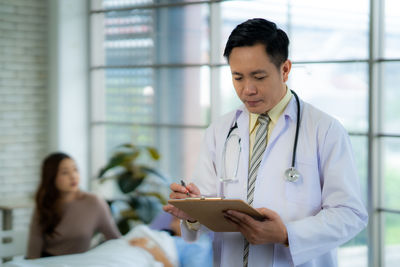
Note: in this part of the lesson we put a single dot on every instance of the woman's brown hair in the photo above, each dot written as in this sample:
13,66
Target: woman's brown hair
47,194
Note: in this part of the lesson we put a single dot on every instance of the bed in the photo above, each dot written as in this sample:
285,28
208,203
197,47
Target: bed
112,253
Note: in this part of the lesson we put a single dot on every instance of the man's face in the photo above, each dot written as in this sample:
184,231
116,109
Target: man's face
257,81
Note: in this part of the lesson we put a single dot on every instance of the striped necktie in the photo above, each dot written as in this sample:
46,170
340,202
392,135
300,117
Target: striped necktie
255,161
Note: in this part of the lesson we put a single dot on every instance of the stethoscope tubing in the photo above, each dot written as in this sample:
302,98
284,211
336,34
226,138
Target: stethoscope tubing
296,137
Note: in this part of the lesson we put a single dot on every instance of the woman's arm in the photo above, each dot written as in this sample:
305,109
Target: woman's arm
106,222
35,243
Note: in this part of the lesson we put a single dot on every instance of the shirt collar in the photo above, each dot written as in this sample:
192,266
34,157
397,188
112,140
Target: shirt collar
277,111
274,113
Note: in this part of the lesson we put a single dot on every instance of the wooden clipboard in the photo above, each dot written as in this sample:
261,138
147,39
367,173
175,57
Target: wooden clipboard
209,211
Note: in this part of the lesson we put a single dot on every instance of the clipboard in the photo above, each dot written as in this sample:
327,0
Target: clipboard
209,211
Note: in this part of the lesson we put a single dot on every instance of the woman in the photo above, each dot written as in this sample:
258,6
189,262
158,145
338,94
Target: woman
65,218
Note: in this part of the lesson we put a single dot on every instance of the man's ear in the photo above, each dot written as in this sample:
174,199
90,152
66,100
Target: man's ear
285,70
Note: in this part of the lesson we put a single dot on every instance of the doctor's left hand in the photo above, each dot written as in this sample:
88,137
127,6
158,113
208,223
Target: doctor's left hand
270,230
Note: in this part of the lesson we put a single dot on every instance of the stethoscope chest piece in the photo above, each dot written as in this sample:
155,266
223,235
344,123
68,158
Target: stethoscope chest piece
292,175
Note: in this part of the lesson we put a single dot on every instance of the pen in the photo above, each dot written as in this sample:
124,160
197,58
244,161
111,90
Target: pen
183,184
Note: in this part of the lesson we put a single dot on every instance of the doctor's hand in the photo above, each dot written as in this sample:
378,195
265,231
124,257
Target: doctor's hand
179,192
270,230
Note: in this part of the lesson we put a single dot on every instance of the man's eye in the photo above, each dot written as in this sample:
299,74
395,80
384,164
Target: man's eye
238,78
260,78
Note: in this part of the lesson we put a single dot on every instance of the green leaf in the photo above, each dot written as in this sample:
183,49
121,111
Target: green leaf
153,153
129,214
128,183
128,145
129,159
116,160
123,226
133,202
147,207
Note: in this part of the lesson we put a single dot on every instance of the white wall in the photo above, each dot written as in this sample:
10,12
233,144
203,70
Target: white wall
23,98
43,92
68,81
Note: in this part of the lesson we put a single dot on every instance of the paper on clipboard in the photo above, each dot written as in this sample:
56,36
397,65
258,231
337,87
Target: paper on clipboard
209,211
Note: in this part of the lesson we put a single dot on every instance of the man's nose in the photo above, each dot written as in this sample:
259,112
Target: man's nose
250,88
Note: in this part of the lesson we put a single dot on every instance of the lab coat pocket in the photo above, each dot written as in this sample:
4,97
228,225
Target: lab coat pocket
306,191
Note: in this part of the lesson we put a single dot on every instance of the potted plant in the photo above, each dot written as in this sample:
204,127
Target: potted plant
143,195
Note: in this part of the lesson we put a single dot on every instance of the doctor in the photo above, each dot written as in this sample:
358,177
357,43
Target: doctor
308,215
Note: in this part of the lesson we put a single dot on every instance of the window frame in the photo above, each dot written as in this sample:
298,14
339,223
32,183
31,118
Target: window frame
374,133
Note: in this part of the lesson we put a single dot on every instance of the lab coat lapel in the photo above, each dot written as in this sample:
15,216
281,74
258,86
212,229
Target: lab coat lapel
289,114
232,252
243,125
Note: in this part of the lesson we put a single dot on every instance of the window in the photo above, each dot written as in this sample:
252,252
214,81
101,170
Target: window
159,78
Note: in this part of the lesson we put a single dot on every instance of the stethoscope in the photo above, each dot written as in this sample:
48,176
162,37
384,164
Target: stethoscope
232,147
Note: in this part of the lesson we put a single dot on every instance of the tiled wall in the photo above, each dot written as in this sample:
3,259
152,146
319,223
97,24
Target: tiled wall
23,98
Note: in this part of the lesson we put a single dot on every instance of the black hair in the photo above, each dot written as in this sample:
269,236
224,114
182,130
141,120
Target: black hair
48,194
260,31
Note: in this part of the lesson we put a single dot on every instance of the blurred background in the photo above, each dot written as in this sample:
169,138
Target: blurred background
86,76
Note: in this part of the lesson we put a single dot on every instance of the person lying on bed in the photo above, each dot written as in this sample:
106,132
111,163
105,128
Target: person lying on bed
189,254
65,218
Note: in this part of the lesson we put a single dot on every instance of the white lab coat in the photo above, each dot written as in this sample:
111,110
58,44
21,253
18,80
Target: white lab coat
321,211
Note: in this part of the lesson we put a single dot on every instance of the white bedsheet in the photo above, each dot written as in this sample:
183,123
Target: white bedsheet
113,253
